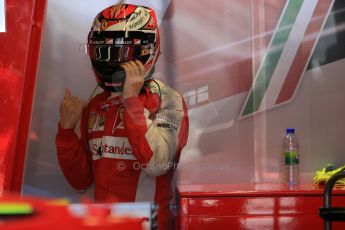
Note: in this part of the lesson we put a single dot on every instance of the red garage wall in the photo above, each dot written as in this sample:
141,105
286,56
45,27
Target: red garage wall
20,48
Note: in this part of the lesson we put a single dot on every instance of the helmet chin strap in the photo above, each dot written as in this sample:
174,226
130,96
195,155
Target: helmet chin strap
150,74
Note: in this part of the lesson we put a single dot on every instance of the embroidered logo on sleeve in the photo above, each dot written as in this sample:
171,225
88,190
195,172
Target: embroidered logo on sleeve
167,126
166,123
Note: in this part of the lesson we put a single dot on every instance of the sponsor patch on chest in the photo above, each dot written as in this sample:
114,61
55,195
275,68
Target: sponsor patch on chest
111,147
96,122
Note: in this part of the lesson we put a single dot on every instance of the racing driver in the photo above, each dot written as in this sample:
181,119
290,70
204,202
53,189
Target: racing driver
130,135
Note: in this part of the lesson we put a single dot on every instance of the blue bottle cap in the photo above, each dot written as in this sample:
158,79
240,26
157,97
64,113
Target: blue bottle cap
290,130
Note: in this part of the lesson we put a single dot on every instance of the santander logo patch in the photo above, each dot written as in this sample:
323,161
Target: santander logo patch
111,147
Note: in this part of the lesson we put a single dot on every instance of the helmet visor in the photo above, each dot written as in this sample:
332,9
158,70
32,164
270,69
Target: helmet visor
118,53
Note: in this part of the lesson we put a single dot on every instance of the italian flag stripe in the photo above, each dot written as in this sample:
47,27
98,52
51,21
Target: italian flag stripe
305,51
289,51
270,61
271,84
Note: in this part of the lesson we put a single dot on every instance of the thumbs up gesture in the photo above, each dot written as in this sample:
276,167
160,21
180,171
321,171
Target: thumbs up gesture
70,110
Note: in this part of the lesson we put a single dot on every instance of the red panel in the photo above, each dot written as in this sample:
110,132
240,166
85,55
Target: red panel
253,206
204,190
234,206
260,222
20,46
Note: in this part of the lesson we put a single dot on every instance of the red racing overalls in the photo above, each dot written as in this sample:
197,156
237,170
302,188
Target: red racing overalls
129,149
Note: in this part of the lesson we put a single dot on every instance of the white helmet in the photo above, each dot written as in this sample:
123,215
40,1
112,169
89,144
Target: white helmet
120,33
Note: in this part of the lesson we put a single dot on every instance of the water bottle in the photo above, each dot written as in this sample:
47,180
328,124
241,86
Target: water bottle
290,159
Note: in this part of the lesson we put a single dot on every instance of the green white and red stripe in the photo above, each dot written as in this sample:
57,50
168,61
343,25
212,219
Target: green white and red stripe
287,55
